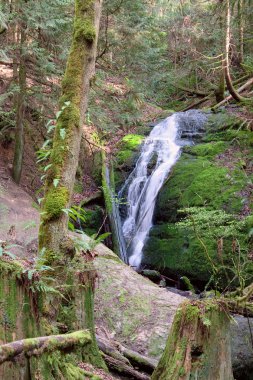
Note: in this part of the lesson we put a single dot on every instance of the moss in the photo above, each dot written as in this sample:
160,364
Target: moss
207,150
196,182
188,283
55,201
177,253
124,157
131,141
129,145
78,187
97,168
193,342
84,30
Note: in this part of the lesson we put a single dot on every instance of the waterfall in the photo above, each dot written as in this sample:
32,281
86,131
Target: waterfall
159,153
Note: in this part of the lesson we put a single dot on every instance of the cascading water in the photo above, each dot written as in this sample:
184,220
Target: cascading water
159,153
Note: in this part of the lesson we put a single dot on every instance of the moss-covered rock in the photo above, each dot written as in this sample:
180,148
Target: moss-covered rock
126,157
213,175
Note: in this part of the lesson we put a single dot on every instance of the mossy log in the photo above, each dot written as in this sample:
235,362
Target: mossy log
40,345
198,346
123,368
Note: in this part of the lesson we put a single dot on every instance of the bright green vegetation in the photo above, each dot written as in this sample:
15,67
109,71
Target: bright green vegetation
128,145
126,157
56,200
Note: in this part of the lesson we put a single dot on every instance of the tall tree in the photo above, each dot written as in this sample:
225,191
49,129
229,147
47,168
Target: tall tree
229,83
66,144
20,102
54,240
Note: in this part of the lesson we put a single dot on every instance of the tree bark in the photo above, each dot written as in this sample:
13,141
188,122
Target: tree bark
38,346
68,132
226,63
241,31
73,271
20,100
198,346
124,368
117,351
230,97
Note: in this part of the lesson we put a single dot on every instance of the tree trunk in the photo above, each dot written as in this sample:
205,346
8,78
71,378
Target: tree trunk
67,138
20,103
241,31
220,90
226,64
198,346
73,271
248,84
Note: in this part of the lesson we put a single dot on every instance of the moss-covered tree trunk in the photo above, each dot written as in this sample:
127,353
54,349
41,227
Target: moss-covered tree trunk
68,132
73,272
198,346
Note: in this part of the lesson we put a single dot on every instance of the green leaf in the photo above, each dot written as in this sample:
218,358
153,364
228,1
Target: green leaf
30,274
62,133
47,167
56,182
58,114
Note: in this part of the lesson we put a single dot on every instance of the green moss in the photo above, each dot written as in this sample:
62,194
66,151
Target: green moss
129,146
207,150
124,157
196,182
84,30
178,253
131,141
188,283
55,201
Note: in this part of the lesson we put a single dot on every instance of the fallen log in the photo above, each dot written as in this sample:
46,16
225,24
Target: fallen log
135,358
111,351
117,351
230,97
241,79
195,104
123,368
37,346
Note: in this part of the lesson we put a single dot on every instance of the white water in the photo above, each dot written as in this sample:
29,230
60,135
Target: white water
159,153
144,187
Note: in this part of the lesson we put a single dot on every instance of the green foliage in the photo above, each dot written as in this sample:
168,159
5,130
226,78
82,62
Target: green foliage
76,215
82,243
213,223
232,266
5,250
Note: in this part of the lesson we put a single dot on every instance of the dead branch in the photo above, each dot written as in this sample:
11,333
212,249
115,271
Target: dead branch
195,104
